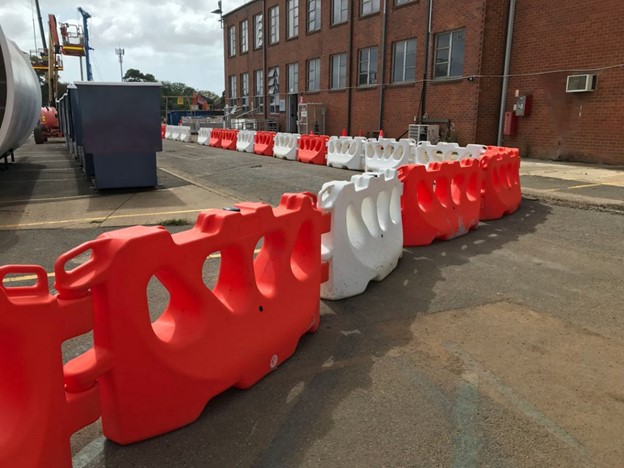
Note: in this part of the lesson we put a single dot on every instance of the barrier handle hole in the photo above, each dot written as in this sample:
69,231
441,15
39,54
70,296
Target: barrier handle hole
261,309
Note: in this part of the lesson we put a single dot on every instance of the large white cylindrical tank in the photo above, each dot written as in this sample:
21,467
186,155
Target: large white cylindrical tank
20,96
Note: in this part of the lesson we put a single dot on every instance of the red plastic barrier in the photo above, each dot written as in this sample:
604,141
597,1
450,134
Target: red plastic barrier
439,201
216,134
228,139
263,143
206,340
312,149
501,192
163,131
37,415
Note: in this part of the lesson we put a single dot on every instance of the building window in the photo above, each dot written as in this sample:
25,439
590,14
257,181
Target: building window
449,54
367,66
258,32
340,11
314,15
401,2
293,77
314,75
273,84
369,6
245,91
259,81
338,65
244,42
292,20
404,61
274,25
232,90
232,41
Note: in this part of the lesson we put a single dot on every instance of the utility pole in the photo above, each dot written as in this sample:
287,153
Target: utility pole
120,52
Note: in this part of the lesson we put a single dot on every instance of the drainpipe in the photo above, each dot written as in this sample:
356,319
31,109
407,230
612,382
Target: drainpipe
510,27
383,64
423,93
352,5
264,67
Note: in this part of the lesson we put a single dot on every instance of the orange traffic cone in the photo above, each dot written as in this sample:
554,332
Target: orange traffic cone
344,133
380,133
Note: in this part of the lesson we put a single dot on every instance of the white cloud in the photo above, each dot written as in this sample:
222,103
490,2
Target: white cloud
175,40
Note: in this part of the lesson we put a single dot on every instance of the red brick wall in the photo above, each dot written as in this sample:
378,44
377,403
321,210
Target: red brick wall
492,65
547,36
569,36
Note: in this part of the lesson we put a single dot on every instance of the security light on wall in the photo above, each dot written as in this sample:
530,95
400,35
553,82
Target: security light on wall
581,83
219,11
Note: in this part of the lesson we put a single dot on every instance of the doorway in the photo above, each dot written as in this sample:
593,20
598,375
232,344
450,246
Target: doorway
291,113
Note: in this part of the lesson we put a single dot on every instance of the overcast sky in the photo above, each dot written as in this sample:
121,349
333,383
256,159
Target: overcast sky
175,40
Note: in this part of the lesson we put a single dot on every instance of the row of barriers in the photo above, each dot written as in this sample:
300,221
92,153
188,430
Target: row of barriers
353,153
178,133
144,379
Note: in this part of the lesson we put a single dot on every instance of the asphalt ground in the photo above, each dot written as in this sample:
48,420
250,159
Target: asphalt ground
504,347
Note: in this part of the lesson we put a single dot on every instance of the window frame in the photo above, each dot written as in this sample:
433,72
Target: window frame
289,76
342,66
232,89
292,19
315,73
405,42
244,36
368,50
232,41
449,61
274,25
244,81
273,97
317,4
373,7
258,21
259,90
344,4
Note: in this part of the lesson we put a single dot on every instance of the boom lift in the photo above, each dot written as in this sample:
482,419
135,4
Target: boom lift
74,42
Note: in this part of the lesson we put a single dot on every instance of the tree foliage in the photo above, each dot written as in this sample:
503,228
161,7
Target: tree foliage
134,75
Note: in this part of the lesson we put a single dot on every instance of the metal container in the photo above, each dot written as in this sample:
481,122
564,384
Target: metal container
120,126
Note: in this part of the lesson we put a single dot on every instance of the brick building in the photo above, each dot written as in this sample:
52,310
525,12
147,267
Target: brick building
384,64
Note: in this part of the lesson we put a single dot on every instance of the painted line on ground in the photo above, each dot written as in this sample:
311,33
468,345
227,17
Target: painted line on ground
89,453
465,451
101,219
606,184
521,404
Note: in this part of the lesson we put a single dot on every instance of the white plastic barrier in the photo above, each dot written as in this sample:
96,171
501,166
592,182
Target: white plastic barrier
425,152
285,145
245,141
346,152
185,134
366,237
175,132
169,132
203,135
472,151
388,154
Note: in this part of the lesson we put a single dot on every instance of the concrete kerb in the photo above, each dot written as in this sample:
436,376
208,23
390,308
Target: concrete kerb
574,201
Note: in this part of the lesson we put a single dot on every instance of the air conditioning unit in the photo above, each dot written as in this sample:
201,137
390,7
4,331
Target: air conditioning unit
430,133
581,83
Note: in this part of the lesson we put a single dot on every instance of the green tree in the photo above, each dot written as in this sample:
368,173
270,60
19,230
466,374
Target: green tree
134,75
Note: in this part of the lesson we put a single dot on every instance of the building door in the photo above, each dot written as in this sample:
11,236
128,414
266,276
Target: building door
291,113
